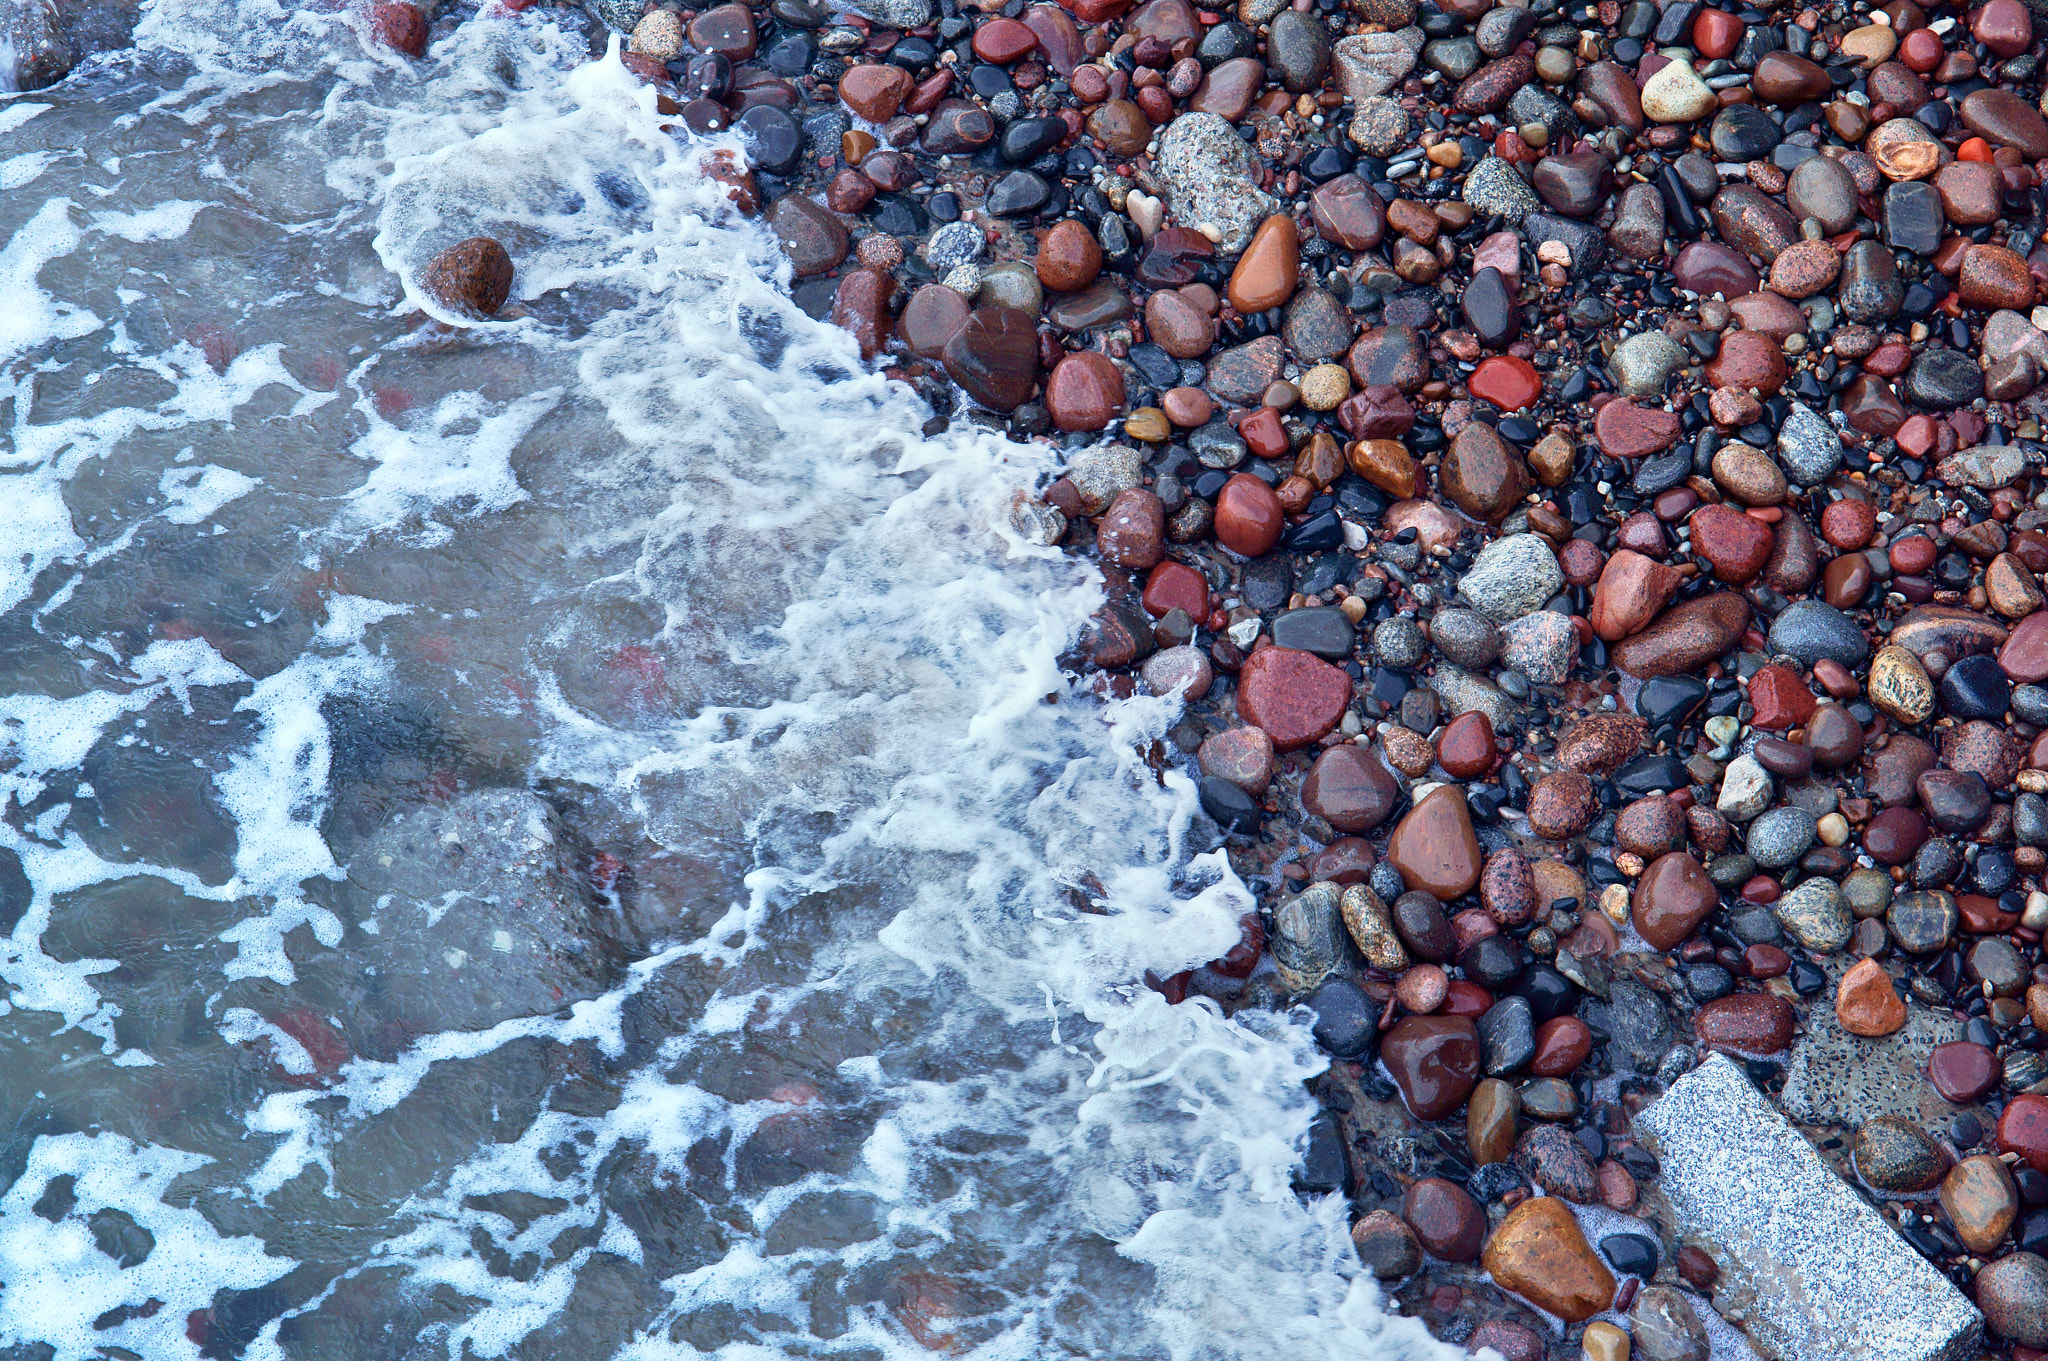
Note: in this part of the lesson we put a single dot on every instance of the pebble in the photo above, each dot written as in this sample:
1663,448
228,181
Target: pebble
1434,847
1894,1154
1539,1253
1448,1223
1511,577
1434,1060
1865,1003
1664,1327
2012,1294
472,278
1386,1246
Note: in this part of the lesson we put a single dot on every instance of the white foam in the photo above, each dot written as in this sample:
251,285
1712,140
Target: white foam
196,493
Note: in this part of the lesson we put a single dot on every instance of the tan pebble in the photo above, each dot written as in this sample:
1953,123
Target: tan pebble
1147,423
1409,753
1605,1342
1899,685
1614,900
1324,387
1834,830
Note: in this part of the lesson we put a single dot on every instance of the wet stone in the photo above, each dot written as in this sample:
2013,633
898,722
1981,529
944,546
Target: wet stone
1555,1161
1922,921
1434,1060
1944,380
1912,217
1893,1153
1507,1035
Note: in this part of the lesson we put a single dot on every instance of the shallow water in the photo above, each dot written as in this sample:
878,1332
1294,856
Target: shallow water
565,837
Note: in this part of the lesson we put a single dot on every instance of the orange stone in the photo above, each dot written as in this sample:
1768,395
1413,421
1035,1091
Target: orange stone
1386,463
1865,1003
1509,383
1975,149
1270,267
874,91
1434,847
1539,1253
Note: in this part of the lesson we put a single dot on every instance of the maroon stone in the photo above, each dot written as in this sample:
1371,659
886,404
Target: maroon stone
995,357
1434,1061
1962,1072
2023,1129
1746,1023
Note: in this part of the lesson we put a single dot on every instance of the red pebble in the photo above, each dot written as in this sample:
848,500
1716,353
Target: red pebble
1506,381
2023,1129
1781,699
400,27
1176,586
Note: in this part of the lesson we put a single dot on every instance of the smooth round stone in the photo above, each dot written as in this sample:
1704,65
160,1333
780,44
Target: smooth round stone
1663,1325
2003,26
1420,922
994,356
1434,846
1835,737
1748,359
1269,269
1747,1023
1386,1246
1780,836
1962,1072
1467,749
1562,1044
1508,382
1785,79
1490,1121
1575,184
2012,1294
1085,392
1894,835
1539,1253
1447,1221
1069,257
1347,1021
1708,268
1248,516
1434,1060
1820,188
1981,1201
1894,1154
1814,913
1743,132
1975,688
1350,788
1671,900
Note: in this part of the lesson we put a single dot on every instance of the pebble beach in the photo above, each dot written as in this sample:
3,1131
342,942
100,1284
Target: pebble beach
1581,469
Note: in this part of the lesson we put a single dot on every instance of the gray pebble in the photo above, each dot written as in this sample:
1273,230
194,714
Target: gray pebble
1779,837
1466,637
1398,642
